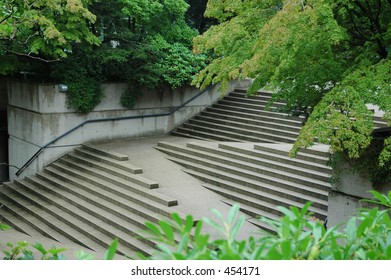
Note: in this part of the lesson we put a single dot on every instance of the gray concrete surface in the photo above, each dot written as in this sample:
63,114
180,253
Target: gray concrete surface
192,197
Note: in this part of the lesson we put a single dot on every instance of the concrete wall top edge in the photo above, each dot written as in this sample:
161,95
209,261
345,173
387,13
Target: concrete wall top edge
46,98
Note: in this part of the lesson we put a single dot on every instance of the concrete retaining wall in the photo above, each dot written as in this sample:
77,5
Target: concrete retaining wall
347,194
3,131
37,114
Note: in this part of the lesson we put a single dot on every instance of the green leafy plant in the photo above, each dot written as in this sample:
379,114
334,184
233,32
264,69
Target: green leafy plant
297,236
83,94
22,251
4,227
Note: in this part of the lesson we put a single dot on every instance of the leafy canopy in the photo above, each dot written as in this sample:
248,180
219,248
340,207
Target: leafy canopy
144,42
326,58
42,29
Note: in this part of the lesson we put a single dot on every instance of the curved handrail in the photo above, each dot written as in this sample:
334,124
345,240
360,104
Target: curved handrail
41,148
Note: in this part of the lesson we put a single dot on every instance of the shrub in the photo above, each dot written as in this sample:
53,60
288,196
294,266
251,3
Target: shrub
297,236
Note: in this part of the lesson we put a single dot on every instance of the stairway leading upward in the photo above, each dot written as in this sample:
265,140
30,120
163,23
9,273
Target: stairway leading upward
239,118
93,195
88,197
245,157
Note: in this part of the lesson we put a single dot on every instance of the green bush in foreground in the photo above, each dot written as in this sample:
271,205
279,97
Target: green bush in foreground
299,236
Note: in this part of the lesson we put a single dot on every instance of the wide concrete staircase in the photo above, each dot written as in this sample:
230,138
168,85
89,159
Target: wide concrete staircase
252,167
239,118
89,197
259,177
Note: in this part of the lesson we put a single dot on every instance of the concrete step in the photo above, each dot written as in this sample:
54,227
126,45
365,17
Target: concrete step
230,106
254,163
104,212
255,97
231,181
262,174
84,200
315,164
253,115
242,161
123,177
112,183
258,93
51,224
110,154
247,106
308,154
20,220
259,123
278,152
256,214
138,204
210,135
251,127
263,191
84,223
123,165
238,133
180,134
262,205
88,165
253,101
274,196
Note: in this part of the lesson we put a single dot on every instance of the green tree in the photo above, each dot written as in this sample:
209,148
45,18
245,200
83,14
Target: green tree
146,43
42,30
326,58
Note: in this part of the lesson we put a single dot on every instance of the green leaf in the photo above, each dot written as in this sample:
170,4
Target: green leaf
40,248
351,230
233,213
189,223
167,229
4,227
177,218
110,253
81,255
153,229
238,225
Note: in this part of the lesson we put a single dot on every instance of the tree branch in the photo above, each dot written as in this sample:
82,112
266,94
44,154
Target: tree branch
32,57
4,19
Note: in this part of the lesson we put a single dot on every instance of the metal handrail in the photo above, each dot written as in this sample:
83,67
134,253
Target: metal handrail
41,148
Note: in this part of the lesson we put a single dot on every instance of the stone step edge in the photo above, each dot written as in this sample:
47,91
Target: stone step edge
29,209
211,114
255,161
252,127
244,115
123,165
243,162
144,207
263,203
271,173
229,179
82,221
75,203
239,130
279,159
135,188
111,154
134,178
323,162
